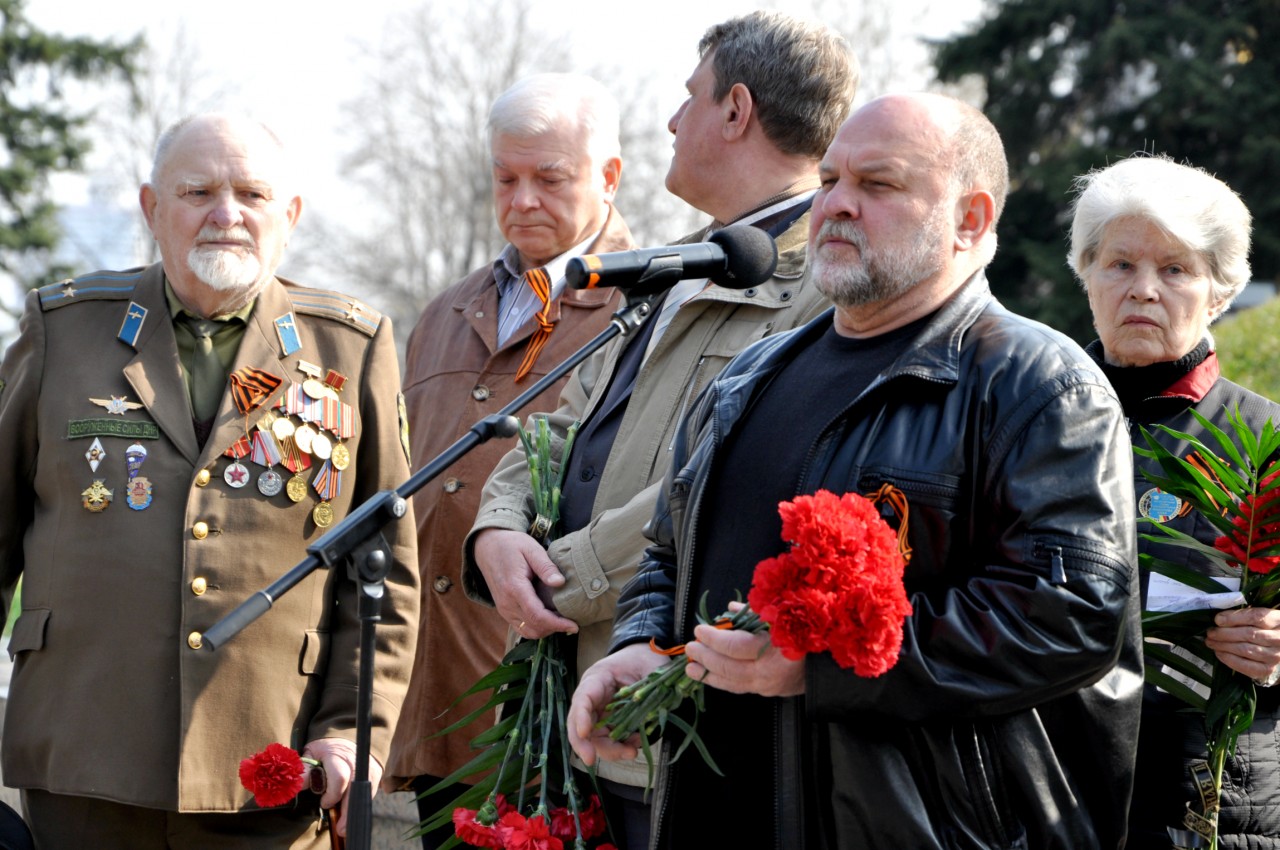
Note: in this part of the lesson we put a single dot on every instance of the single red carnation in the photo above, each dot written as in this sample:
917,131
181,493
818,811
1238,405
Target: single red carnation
867,631
562,825
800,622
593,820
274,776
520,833
472,832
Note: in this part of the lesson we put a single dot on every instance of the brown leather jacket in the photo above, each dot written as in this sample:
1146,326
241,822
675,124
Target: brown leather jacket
455,375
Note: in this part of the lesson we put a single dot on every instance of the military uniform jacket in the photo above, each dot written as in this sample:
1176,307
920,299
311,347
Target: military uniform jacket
109,699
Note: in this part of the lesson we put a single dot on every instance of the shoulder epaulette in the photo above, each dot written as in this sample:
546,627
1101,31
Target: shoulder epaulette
334,305
95,286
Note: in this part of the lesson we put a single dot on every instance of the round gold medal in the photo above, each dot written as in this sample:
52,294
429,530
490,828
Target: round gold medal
296,489
340,457
322,513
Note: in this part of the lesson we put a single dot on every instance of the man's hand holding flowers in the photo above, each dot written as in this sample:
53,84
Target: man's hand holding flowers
741,662
1248,641
521,578
596,688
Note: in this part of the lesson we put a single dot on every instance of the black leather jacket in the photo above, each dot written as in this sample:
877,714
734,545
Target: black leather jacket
1011,716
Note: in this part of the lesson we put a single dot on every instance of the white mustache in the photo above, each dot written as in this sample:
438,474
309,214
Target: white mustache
239,235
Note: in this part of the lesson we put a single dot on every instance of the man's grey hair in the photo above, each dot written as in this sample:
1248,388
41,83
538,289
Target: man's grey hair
1187,203
979,162
802,76
164,145
542,102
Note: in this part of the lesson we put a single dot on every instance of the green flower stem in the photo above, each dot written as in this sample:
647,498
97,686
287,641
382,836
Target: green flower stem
532,738
639,708
544,717
1219,760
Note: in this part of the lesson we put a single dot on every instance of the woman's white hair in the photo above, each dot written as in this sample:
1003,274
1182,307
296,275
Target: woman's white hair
542,102
1187,203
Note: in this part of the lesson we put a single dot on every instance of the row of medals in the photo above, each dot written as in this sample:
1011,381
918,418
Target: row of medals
276,436
309,440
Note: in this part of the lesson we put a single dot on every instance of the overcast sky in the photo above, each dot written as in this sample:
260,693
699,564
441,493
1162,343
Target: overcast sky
292,61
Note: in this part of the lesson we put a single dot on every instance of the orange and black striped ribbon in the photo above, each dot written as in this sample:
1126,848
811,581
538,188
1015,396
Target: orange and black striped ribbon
250,387
1198,462
540,283
898,501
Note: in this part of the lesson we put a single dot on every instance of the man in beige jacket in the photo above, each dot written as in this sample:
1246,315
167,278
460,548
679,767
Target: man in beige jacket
172,438
764,102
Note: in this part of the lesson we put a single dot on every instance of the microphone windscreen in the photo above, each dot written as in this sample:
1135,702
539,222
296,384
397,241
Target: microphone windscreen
750,256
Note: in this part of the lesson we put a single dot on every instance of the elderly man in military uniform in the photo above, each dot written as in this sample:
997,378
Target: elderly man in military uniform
172,438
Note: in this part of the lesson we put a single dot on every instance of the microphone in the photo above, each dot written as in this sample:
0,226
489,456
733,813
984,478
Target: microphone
737,257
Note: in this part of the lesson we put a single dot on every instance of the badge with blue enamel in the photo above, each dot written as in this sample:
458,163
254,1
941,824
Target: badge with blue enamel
1156,504
139,487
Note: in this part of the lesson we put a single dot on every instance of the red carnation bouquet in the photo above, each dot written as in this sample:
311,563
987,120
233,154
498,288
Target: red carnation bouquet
837,589
528,797
1236,488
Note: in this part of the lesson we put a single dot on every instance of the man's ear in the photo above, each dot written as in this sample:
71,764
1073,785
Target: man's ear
976,212
147,200
293,211
737,107
612,170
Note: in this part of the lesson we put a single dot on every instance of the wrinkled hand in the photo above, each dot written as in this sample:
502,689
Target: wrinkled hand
1247,640
742,663
338,757
517,568
596,687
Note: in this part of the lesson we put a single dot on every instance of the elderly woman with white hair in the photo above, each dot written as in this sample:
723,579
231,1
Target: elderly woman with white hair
1162,250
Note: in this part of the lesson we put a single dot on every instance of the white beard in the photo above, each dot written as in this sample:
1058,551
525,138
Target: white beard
225,269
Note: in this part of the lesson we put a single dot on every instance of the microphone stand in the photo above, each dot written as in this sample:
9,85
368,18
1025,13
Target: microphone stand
359,542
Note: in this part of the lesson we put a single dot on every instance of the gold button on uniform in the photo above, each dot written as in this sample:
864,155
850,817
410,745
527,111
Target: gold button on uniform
199,586
442,584
451,485
202,477
200,530
195,640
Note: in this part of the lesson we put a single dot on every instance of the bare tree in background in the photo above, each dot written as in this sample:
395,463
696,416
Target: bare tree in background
171,82
419,151
655,216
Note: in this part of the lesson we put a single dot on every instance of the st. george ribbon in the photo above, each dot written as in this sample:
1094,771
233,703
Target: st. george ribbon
737,257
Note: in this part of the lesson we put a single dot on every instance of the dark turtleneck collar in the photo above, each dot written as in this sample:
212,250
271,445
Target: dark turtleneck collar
1188,377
